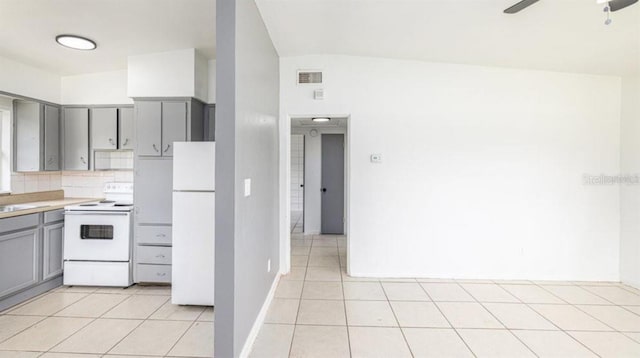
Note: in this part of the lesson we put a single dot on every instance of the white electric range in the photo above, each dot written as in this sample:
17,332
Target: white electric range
98,240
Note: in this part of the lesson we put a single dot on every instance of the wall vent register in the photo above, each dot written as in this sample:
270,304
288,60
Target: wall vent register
309,77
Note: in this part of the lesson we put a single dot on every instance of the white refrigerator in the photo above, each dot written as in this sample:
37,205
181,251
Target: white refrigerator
193,223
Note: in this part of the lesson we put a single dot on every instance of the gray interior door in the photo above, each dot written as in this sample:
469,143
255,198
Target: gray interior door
332,184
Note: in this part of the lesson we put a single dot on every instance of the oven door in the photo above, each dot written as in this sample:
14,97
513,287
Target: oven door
97,236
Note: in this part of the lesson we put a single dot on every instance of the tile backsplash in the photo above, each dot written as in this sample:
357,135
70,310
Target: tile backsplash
87,184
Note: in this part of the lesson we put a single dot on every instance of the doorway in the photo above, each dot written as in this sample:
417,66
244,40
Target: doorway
332,202
317,176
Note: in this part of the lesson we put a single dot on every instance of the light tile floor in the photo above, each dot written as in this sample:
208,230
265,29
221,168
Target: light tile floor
297,222
319,311
77,322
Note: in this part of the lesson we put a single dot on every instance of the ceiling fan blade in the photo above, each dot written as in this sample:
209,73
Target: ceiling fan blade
616,5
523,5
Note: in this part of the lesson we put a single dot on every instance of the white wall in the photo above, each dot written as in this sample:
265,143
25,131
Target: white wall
630,194
179,73
482,167
96,88
18,78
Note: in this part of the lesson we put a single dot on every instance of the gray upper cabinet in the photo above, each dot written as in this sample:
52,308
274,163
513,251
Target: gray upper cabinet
104,128
28,136
51,137
174,125
76,139
37,137
126,128
148,128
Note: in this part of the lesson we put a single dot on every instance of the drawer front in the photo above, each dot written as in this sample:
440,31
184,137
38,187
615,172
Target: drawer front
153,235
154,273
19,222
154,255
53,216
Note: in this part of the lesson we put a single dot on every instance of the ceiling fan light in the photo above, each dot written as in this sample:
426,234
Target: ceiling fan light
76,42
321,119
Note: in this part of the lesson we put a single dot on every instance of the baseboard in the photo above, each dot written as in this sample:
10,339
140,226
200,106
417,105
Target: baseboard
253,334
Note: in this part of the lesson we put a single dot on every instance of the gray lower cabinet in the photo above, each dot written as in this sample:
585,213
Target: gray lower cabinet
53,238
76,139
31,248
18,261
36,136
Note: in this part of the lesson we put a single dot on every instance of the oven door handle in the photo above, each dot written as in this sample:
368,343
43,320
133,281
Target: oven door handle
94,213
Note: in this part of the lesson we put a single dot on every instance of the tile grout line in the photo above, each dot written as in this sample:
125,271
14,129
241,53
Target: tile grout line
448,321
133,330
560,328
397,320
344,304
304,279
497,319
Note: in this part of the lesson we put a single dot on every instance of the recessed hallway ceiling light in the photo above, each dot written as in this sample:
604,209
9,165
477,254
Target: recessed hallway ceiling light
76,42
321,119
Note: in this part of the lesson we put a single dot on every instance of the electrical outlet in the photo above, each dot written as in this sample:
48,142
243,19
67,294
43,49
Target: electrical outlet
269,265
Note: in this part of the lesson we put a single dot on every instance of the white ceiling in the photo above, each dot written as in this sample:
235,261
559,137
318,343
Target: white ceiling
556,35
120,27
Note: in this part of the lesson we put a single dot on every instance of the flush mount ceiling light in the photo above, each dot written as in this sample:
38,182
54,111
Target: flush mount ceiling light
76,42
321,119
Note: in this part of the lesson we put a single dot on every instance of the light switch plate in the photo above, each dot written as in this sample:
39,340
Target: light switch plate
247,187
376,158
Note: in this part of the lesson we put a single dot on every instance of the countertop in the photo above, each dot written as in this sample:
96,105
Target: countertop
47,201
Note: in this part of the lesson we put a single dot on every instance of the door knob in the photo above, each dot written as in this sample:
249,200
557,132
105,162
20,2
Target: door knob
302,185
324,190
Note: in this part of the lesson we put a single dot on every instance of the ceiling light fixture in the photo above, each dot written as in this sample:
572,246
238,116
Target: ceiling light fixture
321,119
76,42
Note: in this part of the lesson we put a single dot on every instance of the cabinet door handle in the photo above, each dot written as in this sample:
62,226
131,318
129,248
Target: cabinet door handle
111,141
82,160
126,141
168,146
50,160
161,256
161,274
155,148
161,235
